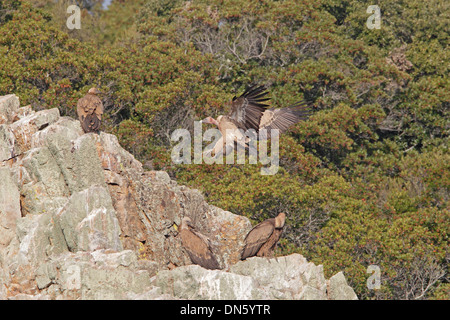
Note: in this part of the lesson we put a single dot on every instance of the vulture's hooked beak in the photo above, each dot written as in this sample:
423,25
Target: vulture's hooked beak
209,120
95,91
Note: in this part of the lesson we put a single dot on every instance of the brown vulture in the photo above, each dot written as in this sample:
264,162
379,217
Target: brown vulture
197,245
249,111
262,239
90,110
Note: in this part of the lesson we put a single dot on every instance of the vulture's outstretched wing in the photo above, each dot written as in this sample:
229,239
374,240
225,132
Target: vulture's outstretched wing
247,109
257,237
282,118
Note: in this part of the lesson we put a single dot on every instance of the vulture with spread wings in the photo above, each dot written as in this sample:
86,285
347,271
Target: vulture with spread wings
90,110
197,245
250,112
263,238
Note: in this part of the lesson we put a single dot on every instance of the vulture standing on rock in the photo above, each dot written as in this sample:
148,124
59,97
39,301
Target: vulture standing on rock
249,111
90,110
262,239
197,245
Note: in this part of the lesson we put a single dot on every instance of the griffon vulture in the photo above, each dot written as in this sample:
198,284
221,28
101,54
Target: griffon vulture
262,239
90,110
249,111
197,245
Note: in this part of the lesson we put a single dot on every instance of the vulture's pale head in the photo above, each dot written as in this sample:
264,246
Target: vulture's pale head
94,91
185,223
210,120
279,220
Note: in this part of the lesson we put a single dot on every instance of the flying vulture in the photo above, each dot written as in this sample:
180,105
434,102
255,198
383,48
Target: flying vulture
90,110
262,239
197,245
249,111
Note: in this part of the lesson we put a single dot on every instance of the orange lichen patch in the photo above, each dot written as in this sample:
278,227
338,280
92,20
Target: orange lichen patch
22,133
21,283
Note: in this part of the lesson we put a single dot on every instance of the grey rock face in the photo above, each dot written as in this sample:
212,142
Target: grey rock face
81,219
6,143
195,282
88,221
339,289
289,277
9,207
9,105
96,275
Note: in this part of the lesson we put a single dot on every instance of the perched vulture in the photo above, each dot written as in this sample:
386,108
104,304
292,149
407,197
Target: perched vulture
262,239
249,111
90,110
197,245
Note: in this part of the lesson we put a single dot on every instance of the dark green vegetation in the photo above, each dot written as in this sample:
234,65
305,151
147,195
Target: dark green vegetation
365,181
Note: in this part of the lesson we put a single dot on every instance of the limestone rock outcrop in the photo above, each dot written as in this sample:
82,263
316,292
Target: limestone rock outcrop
81,219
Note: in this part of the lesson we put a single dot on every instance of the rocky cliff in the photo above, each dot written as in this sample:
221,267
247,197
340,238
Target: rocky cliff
81,219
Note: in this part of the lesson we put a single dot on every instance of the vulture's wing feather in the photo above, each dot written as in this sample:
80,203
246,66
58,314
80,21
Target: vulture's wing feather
91,123
99,109
89,104
217,150
90,110
257,237
199,249
247,109
283,118
269,246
